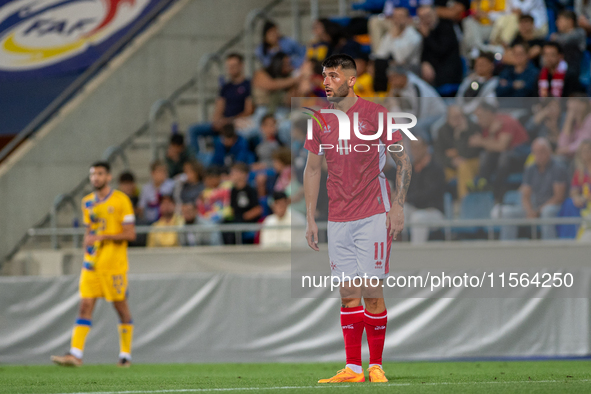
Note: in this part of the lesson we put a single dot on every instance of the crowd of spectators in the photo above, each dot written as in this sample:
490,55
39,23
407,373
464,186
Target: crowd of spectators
499,88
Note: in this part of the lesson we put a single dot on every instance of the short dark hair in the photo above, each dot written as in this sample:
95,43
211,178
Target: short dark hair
554,45
214,171
345,61
155,164
177,139
240,166
569,15
521,43
228,131
279,196
103,164
283,154
526,17
235,55
167,197
487,107
487,55
268,116
126,177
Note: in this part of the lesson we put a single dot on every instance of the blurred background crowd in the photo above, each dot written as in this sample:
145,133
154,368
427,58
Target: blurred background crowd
500,88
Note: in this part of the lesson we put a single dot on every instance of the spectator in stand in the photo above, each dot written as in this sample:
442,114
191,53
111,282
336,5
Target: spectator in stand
273,42
583,12
571,38
177,154
480,85
191,238
505,147
282,216
233,103
440,59
269,143
577,125
479,25
580,190
272,86
168,217
402,43
213,205
527,34
365,81
230,148
506,27
379,25
149,201
412,94
542,192
452,151
424,199
546,122
453,11
189,184
244,202
127,185
319,47
282,167
521,78
556,80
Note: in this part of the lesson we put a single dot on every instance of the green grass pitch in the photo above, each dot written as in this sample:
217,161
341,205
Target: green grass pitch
405,377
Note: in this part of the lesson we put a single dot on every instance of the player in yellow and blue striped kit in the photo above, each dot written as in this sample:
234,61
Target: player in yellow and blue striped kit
110,224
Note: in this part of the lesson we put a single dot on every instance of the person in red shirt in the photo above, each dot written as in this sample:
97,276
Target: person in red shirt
362,216
505,143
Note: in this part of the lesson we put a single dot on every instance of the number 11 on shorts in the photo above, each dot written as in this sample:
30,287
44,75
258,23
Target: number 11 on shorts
380,246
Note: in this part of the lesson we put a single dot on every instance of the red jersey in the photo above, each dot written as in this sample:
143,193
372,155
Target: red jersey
357,187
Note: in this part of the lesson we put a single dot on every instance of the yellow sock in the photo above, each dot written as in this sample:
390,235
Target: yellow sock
125,339
81,330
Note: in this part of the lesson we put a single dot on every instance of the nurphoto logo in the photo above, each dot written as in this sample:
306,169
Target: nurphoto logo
345,130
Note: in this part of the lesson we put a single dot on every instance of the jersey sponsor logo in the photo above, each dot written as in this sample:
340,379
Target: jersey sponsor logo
36,34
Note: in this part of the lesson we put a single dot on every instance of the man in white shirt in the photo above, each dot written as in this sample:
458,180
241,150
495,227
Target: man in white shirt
403,42
282,216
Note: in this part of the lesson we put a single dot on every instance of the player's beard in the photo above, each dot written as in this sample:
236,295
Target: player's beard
339,94
100,187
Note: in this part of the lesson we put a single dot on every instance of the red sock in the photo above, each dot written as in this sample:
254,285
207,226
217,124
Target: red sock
375,329
352,325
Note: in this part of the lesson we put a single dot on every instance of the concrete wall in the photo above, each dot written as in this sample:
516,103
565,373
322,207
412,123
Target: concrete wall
110,108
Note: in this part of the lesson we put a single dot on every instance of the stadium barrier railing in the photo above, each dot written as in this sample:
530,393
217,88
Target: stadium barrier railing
446,225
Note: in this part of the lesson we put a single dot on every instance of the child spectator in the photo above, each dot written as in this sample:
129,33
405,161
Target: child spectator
190,238
282,216
244,201
230,148
168,217
573,39
149,200
177,155
213,206
480,85
264,149
189,184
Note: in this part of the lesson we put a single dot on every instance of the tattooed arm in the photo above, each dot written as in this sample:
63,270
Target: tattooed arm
395,218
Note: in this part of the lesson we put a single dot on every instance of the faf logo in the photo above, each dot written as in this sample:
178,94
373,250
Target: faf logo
39,33
358,127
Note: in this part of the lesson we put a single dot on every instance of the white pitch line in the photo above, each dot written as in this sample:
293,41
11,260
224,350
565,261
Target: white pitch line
323,386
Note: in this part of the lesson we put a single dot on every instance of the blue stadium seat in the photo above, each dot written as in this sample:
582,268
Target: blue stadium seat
476,205
585,75
448,206
551,21
516,178
512,197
